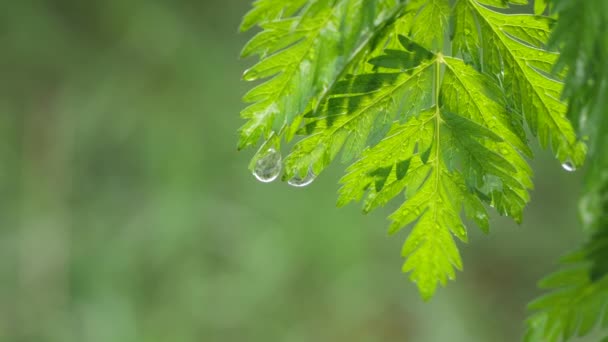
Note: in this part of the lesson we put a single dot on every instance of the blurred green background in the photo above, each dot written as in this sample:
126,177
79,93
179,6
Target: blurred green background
126,213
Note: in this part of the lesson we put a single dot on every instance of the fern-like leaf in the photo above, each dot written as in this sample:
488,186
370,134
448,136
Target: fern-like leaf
302,55
514,51
579,299
444,159
270,10
369,80
361,105
475,96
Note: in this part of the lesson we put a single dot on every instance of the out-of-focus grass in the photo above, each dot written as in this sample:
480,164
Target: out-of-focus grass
127,215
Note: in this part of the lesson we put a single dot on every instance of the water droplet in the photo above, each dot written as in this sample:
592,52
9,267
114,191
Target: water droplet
268,166
301,182
504,150
467,31
568,166
250,75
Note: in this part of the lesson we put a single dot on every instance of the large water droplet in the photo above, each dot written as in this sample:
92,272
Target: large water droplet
268,166
568,166
300,182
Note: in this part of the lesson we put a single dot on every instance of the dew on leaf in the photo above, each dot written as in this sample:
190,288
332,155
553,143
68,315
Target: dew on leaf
569,166
250,75
300,182
268,166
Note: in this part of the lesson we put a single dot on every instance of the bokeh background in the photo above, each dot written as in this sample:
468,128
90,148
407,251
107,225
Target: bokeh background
126,213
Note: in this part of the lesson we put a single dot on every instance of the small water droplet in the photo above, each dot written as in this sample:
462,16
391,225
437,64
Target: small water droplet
569,166
250,75
268,167
301,182
467,31
504,150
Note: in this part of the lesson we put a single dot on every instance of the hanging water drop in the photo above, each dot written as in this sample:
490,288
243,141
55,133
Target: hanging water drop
268,166
569,166
301,182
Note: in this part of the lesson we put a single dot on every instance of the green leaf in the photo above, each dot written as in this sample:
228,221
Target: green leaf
268,10
429,23
580,291
300,56
475,96
584,52
578,297
358,106
403,142
514,52
540,6
436,194
446,133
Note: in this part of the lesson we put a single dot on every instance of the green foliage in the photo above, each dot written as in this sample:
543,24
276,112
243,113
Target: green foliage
442,161
303,54
578,298
581,294
514,51
372,80
585,51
